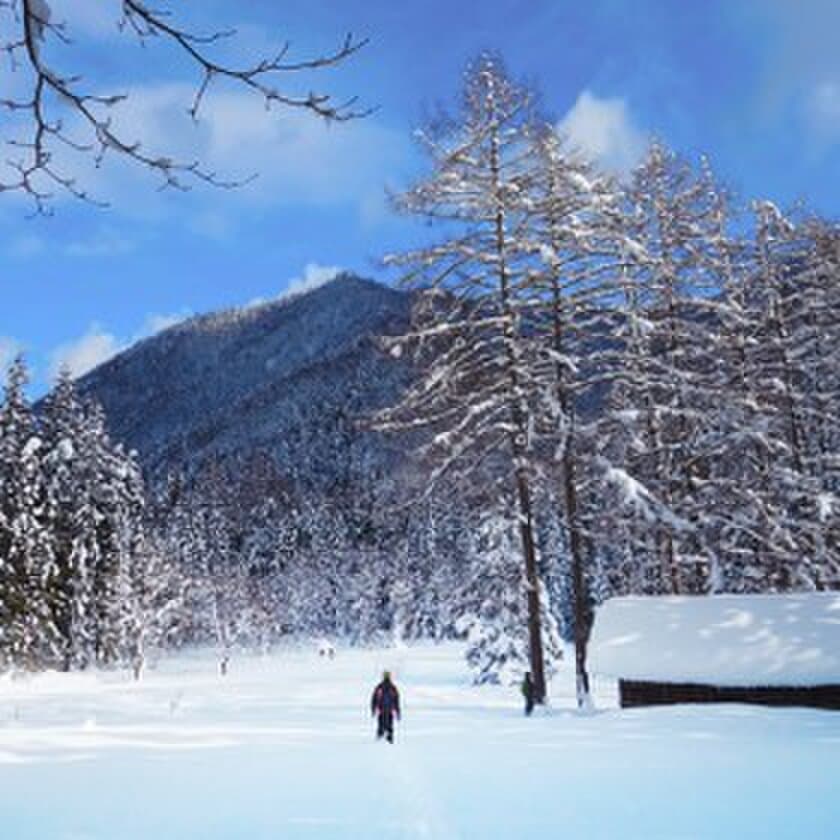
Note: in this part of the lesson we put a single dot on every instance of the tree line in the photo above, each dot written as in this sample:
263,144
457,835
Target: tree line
644,359
82,580
99,569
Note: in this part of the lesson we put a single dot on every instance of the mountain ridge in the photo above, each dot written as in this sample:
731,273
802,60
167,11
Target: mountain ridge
245,379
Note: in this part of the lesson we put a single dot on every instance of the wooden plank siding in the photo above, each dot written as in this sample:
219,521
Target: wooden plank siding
643,693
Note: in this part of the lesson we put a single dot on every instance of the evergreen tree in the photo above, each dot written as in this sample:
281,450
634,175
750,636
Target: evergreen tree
28,634
494,602
96,506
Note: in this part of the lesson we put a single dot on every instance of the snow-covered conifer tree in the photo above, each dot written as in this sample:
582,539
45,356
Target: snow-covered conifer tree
670,287
96,504
73,521
493,606
792,286
574,228
28,634
475,390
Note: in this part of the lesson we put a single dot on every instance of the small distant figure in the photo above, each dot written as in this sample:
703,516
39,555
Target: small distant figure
137,665
223,665
385,704
528,693
326,649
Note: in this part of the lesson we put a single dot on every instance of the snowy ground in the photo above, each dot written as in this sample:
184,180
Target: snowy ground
283,748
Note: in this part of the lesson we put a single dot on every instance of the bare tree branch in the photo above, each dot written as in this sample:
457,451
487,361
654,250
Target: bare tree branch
33,169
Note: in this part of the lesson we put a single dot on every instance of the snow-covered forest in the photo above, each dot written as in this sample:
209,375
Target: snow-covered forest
81,580
617,386
644,364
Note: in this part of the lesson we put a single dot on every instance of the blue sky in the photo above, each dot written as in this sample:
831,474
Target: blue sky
755,84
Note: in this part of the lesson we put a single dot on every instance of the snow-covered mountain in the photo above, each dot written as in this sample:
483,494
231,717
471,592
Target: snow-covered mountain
290,378
266,486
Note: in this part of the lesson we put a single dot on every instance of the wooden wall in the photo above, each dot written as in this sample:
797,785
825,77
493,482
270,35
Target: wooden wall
638,693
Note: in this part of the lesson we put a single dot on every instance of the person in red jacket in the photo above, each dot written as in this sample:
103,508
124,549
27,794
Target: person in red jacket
385,705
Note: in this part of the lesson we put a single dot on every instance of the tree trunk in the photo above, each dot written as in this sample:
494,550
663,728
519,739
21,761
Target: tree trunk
581,601
526,525
519,435
570,497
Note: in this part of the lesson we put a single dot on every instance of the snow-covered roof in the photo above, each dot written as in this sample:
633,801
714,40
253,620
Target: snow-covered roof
737,640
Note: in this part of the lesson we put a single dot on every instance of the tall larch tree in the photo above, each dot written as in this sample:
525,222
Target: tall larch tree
474,390
573,228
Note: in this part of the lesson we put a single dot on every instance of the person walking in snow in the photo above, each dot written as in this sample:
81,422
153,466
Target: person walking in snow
385,705
528,693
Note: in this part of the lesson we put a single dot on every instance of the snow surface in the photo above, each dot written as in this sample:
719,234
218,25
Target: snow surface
737,640
283,748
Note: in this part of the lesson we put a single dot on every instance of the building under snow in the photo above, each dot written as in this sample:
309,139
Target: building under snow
770,649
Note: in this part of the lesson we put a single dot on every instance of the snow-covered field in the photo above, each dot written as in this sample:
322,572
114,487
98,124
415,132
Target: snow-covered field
283,747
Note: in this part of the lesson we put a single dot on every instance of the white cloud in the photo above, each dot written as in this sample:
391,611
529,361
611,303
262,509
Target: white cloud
211,224
297,158
293,157
28,245
106,243
159,322
93,348
823,110
97,18
9,349
604,130
98,345
314,275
